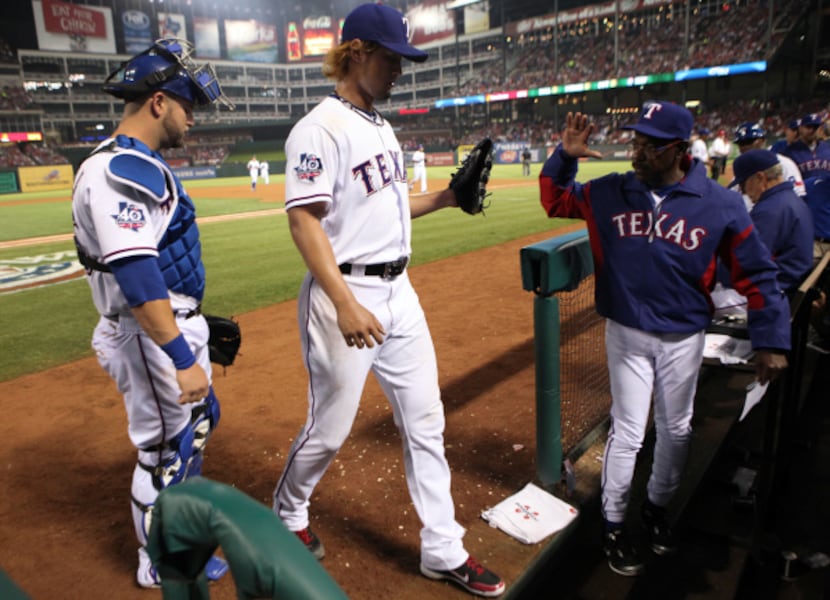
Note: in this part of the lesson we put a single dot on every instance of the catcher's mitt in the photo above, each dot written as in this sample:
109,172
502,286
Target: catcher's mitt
224,341
469,182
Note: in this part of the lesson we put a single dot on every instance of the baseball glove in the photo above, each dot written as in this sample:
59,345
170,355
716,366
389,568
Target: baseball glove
225,338
469,182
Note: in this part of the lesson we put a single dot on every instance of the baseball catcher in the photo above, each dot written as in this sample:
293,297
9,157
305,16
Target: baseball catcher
469,182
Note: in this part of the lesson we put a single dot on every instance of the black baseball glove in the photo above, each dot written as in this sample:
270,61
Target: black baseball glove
224,341
469,182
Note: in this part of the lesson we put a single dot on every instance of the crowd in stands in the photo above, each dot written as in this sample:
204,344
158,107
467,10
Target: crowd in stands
15,98
736,33
540,132
29,155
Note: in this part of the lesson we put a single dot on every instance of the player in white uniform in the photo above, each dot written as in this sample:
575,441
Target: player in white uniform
697,148
419,169
718,154
253,171
135,229
350,213
264,172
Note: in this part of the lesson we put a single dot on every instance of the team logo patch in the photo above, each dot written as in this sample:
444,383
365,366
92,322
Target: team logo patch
310,167
129,216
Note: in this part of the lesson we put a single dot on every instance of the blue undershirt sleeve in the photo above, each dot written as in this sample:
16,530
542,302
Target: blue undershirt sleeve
140,279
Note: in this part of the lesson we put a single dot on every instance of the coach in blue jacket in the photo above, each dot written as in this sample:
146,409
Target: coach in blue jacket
782,219
656,233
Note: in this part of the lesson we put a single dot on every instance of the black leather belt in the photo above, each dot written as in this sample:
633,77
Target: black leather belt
189,314
823,240
388,270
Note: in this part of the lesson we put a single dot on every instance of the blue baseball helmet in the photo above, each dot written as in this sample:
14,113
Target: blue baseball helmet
747,132
166,65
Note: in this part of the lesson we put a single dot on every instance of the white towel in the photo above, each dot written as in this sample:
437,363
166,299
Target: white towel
530,515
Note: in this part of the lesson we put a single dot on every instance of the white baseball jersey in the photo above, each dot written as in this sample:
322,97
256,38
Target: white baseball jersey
253,169
119,224
350,160
698,150
793,174
419,169
720,148
330,149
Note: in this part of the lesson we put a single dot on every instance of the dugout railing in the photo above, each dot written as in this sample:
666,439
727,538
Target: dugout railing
560,266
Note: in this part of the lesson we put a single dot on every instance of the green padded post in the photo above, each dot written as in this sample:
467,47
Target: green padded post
191,519
9,590
557,264
548,397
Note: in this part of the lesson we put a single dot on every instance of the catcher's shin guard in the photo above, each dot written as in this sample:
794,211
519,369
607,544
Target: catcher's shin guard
204,419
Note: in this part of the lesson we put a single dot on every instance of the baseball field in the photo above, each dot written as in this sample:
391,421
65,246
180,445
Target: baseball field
65,525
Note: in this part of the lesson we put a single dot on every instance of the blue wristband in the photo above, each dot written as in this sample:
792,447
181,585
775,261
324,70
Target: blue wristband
180,352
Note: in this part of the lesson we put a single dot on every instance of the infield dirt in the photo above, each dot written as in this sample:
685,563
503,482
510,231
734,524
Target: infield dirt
65,526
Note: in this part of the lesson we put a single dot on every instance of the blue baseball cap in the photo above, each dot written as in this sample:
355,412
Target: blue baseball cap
384,25
794,124
811,120
747,132
664,120
754,161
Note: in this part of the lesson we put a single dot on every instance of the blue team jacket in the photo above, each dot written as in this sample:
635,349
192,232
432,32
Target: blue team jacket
785,225
655,267
811,163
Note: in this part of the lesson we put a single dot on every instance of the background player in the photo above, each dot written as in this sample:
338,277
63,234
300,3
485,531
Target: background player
655,233
718,154
419,169
526,161
812,156
135,228
751,136
264,171
349,213
253,171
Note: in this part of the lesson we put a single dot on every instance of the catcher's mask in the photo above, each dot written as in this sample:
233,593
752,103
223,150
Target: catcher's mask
166,65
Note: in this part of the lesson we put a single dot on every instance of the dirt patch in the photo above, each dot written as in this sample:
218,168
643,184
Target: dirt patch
66,461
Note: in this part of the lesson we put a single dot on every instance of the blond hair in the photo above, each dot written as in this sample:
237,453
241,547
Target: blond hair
336,63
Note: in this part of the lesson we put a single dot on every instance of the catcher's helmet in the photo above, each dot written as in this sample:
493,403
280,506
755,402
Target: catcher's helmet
166,65
747,132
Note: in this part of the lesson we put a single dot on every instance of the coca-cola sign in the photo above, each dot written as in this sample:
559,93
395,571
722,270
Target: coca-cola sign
321,22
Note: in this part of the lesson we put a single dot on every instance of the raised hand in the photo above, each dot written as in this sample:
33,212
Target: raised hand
575,136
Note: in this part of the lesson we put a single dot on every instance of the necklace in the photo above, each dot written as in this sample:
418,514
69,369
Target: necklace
372,116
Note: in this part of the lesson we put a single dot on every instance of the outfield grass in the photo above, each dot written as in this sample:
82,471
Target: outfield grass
251,263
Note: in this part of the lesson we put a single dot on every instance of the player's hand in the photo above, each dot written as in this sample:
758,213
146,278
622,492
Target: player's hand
769,365
359,326
193,382
575,136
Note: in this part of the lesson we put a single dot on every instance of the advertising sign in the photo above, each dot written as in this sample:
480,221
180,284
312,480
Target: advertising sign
206,34
429,22
73,28
251,41
172,25
72,19
477,17
40,179
318,36
138,35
